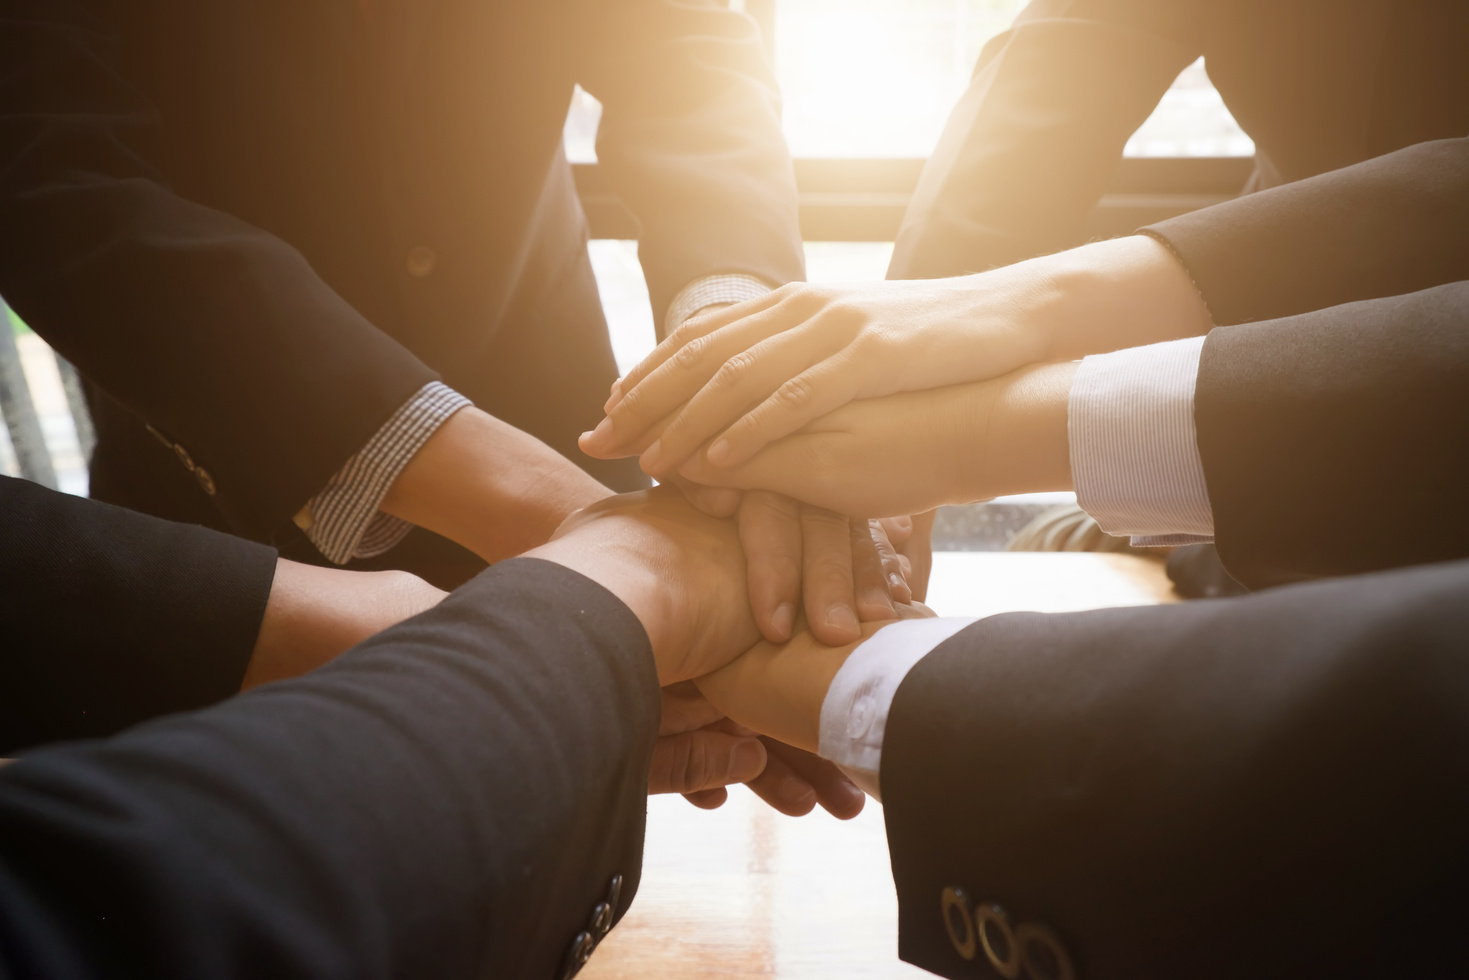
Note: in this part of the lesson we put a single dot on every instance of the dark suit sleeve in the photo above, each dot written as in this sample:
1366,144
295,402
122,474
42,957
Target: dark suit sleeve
690,138
1337,441
1393,224
1031,145
451,798
218,334
1268,786
109,618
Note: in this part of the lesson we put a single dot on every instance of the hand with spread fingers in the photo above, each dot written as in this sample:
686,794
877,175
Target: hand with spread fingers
731,383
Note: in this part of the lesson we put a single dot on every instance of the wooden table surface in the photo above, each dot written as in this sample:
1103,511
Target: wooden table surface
745,892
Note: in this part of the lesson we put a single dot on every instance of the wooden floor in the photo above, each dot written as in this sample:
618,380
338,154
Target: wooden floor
745,892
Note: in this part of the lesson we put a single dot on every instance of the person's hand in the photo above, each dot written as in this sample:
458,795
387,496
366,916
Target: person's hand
314,614
778,689
912,452
912,537
681,572
844,571
747,375
699,752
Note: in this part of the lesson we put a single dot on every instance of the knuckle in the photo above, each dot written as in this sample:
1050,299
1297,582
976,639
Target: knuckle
733,371
691,353
796,393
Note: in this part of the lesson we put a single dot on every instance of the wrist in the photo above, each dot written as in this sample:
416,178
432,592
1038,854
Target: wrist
1018,441
490,487
315,614
779,691
1111,295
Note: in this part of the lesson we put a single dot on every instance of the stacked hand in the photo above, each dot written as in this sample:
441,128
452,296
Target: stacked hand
683,574
868,399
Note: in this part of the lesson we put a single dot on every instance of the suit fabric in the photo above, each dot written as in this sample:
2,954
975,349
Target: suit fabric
111,618
260,227
1031,145
1332,405
455,797
1274,785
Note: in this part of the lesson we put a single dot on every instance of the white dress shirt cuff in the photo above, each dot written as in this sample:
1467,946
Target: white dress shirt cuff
854,715
343,520
707,291
1134,449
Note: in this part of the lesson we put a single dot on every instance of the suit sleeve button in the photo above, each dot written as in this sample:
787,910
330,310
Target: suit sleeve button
601,920
206,482
958,920
184,457
1041,951
577,956
421,261
1001,948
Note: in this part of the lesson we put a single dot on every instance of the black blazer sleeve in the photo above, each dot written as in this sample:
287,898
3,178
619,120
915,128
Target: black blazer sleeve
216,333
691,140
1268,786
1393,224
109,618
1030,146
452,798
1337,441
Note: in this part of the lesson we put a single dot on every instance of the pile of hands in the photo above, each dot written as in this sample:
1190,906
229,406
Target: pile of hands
787,432
842,404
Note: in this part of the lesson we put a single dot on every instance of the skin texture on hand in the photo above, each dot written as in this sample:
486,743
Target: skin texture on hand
315,614
778,690
912,452
682,573
747,375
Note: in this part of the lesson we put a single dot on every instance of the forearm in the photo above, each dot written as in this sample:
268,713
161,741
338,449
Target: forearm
1106,296
315,614
490,487
778,690
415,780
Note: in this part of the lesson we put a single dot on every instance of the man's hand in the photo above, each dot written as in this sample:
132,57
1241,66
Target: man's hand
844,571
314,614
778,690
910,453
736,380
699,752
681,572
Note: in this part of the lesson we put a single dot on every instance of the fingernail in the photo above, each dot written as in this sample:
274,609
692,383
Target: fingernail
795,793
842,618
783,620
651,456
719,453
899,588
746,759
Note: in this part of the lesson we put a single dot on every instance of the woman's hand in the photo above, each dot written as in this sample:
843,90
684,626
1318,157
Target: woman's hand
755,372
912,452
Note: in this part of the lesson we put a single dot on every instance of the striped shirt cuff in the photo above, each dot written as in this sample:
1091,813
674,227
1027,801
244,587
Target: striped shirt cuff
343,520
1134,450
716,290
